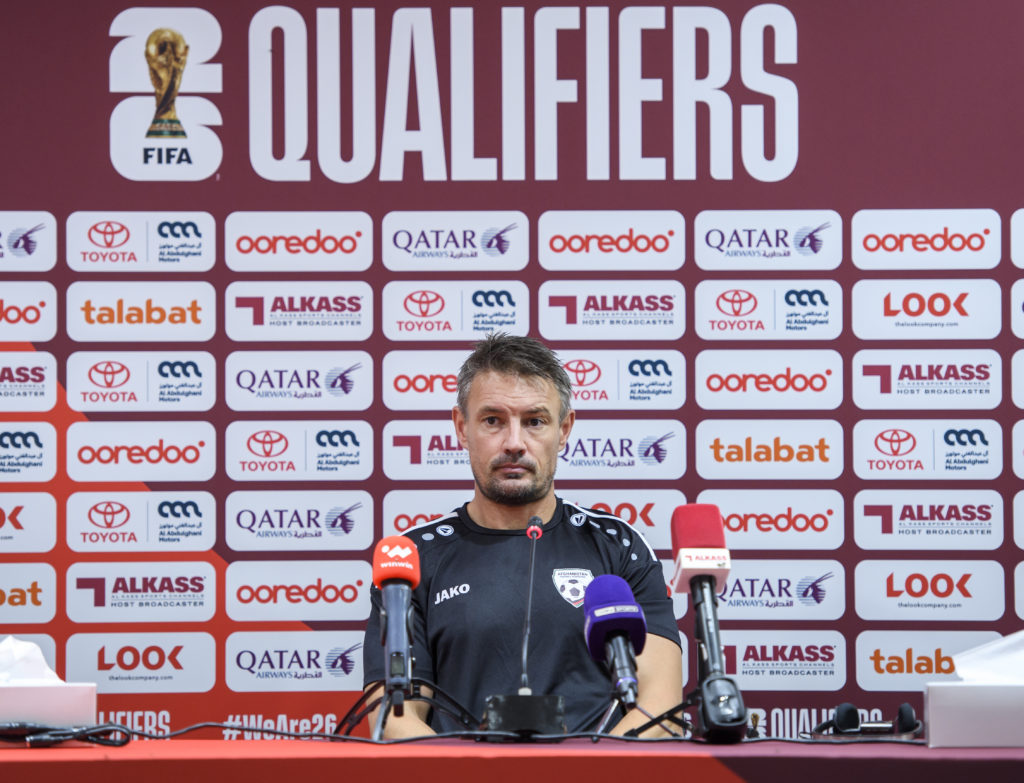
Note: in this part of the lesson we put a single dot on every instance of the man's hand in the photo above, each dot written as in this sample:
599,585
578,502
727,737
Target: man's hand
659,674
412,724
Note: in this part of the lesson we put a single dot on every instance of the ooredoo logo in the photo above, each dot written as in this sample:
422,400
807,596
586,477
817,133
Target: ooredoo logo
109,514
425,384
109,374
267,443
28,312
736,302
628,242
108,234
298,241
312,243
423,304
780,519
310,590
154,451
922,243
798,380
926,239
612,240
783,381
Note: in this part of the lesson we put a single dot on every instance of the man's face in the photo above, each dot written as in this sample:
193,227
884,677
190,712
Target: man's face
513,436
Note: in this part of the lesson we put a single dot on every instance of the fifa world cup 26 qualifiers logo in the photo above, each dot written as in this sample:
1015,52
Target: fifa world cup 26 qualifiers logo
166,53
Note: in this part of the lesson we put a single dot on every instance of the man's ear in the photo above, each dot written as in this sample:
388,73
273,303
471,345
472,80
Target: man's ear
565,427
460,425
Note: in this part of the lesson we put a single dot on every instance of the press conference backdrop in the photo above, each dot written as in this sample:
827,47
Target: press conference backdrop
244,249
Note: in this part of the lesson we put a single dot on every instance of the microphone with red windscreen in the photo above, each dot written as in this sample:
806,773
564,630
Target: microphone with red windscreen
396,572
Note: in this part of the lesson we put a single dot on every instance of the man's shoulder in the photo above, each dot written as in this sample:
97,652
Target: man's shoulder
435,532
614,528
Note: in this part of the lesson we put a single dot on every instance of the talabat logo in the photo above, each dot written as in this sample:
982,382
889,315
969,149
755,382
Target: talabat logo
306,590
28,521
421,380
141,521
28,241
798,380
780,519
765,448
330,521
143,662
926,238
28,381
935,590
28,593
457,310
928,519
141,241
768,310
298,450
141,381
28,312
906,660
299,380
927,449
768,239
141,592
455,241
317,311
612,240
612,310
298,241
785,660
783,590
140,312
141,451
927,309
427,449
165,53
626,449
928,379
293,661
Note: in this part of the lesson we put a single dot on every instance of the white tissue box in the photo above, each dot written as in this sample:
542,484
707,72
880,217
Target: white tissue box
974,715
51,703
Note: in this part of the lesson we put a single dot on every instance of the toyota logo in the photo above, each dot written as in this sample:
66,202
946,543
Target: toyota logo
895,443
109,514
736,302
109,374
267,443
423,304
108,234
583,371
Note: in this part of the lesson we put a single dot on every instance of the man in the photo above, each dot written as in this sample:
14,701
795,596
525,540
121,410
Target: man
513,417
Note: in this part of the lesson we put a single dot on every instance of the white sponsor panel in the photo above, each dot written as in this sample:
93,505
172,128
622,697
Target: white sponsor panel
780,660
424,449
769,380
455,241
1017,379
747,449
922,379
153,592
611,240
337,520
626,380
28,241
627,449
141,312
116,381
1018,519
1017,238
647,510
1017,308
262,661
927,309
611,309
141,241
454,310
681,599
298,241
28,593
768,309
28,381
298,590
765,240
141,451
783,590
307,450
790,519
28,451
936,590
1018,589
28,312
1018,449
406,508
927,449
926,239
421,380
28,522
143,662
908,660
933,519
298,380
293,311
141,521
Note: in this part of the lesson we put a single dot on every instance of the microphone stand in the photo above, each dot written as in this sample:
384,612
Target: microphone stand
440,701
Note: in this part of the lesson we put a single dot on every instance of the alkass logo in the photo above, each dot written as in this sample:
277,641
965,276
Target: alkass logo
895,442
931,512
436,446
931,374
109,374
267,443
776,653
108,514
736,303
937,305
583,372
108,234
423,304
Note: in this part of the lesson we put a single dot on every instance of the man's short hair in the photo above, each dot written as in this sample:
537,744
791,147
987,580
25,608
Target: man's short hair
509,354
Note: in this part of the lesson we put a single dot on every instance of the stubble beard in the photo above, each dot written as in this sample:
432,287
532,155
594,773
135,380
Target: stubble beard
520,493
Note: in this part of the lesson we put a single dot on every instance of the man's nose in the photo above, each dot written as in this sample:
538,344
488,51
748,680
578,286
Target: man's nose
514,439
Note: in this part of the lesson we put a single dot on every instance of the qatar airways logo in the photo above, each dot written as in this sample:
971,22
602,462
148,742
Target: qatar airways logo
455,241
28,312
28,381
930,379
308,661
785,660
628,449
298,450
324,310
780,519
298,380
181,591
612,310
607,240
928,449
926,238
141,381
768,310
303,590
928,519
798,380
934,590
758,240
141,451
298,241
141,241
28,241
783,590
458,310
927,309
299,521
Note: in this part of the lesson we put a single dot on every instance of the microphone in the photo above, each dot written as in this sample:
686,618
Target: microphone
702,563
615,630
396,572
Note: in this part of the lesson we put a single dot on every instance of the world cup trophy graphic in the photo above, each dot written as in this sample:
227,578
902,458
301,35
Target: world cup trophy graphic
166,52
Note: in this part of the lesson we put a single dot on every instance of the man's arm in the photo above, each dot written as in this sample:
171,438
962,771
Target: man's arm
412,724
659,674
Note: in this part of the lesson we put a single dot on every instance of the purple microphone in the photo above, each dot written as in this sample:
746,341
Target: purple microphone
615,630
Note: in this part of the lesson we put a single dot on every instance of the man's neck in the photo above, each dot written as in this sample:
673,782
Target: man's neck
499,516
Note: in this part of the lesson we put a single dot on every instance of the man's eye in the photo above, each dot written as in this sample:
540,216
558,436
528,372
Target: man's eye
491,421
